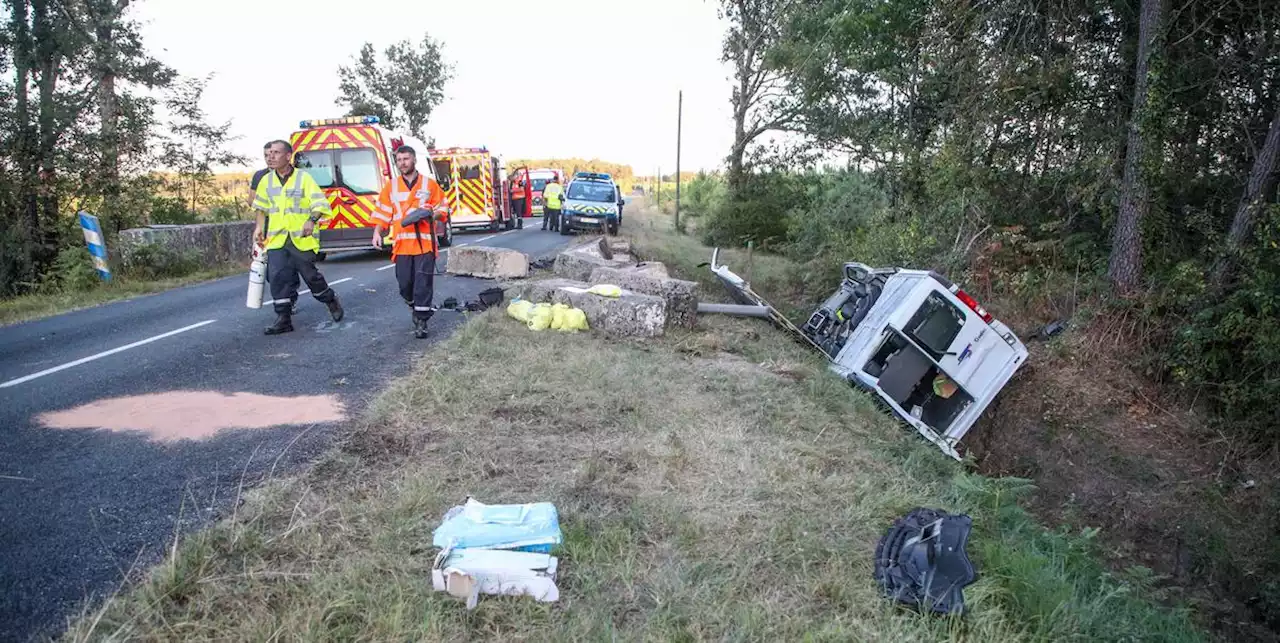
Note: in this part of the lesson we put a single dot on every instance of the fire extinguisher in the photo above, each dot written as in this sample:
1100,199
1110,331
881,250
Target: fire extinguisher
257,276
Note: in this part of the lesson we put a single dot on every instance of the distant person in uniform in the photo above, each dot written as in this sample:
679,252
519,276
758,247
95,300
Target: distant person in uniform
551,203
517,197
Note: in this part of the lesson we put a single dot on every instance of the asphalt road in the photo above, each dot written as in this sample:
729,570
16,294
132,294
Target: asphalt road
80,507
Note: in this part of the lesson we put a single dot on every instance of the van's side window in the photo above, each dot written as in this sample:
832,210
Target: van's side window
935,325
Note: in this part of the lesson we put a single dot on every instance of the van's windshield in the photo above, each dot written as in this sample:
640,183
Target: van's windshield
354,169
591,191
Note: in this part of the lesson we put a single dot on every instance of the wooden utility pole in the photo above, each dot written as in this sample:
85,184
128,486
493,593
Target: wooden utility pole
679,114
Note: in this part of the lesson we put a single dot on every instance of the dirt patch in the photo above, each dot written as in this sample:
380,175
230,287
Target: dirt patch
1108,449
194,415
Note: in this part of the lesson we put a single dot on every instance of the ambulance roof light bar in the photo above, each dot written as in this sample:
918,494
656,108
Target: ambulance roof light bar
460,150
349,120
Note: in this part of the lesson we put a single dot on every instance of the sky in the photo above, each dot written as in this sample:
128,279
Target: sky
598,79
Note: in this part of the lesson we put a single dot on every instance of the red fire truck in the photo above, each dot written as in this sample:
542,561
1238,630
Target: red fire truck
475,188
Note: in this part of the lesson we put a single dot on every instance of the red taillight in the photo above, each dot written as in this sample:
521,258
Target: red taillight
973,305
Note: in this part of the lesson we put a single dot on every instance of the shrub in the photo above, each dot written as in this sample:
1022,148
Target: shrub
1231,349
72,271
759,211
171,210
702,196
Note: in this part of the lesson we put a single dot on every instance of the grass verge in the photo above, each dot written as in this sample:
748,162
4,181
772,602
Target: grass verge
717,484
28,307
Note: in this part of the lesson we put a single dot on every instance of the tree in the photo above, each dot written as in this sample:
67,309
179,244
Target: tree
761,99
402,89
196,146
1125,266
118,59
1261,176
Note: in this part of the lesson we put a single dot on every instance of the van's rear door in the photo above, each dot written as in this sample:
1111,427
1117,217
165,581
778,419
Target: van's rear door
971,352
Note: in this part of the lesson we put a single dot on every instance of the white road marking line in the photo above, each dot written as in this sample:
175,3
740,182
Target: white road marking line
485,238
331,284
113,351
386,267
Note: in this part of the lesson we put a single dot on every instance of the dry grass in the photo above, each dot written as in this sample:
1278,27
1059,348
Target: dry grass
714,485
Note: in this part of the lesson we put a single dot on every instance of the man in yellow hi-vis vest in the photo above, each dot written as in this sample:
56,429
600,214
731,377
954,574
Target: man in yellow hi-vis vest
293,203
551,195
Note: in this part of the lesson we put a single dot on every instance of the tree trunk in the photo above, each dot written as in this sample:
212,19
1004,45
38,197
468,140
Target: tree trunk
741,106
1125,269
24,144
48,59
1252,199
109,115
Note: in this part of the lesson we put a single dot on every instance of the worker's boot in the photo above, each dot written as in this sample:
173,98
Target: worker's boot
284,324
335,309
420,328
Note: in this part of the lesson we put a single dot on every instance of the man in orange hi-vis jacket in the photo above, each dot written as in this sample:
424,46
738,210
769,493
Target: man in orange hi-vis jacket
413,249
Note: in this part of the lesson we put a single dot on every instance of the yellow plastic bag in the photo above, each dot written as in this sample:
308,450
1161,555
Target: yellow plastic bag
574,320
541,317
558,316
605,290
520,310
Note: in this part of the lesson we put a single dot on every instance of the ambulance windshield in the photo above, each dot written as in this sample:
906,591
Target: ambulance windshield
355,169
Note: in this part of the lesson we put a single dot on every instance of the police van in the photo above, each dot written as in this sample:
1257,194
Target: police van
591,202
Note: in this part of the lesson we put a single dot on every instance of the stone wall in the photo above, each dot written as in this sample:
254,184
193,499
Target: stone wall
212,243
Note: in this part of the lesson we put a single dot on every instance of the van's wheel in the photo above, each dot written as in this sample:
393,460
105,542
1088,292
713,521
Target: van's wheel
613,229
564,227
495,226
446,239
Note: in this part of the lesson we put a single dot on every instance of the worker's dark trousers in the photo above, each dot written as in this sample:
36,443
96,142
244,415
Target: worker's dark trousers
284,265
416,275
517,207
550,217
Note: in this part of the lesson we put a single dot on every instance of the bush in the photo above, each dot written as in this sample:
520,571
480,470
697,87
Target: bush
702,196
1231,349
171,210
72,271
759,211
157,261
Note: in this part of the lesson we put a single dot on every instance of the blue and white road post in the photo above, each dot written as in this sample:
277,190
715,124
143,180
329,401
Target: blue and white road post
97,244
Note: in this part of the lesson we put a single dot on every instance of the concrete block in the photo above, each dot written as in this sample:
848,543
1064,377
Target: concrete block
578,262
681,296
654,268
631,315
487,262
212,244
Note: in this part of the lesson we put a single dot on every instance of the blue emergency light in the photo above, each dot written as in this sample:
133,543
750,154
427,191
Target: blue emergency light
350,120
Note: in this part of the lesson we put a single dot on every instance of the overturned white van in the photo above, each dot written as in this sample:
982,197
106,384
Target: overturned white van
926,348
